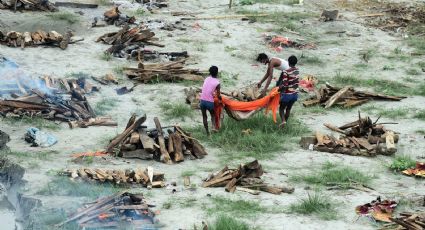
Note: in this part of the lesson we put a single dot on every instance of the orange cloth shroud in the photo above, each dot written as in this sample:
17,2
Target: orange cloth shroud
270,102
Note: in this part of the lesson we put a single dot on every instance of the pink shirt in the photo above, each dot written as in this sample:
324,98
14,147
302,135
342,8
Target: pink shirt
210,84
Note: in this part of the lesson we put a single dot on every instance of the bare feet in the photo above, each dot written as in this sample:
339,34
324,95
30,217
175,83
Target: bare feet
282,125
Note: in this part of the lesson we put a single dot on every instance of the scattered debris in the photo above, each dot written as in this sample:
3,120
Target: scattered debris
39,138
128,39
147,178
278,43
330,15
144,54
397,17
245,178
4,138
115,212
359,138
170,71
308,83
418,171
41,5
380,210
105,80
407,221
124,90
115,17
166,144
38,38
347,96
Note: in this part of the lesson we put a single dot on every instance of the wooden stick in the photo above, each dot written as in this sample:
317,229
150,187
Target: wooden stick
165,157
125,134
227,16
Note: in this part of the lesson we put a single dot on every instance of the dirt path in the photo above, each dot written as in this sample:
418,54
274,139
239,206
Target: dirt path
232,46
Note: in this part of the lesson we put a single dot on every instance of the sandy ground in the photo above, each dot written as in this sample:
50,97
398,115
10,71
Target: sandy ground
214,36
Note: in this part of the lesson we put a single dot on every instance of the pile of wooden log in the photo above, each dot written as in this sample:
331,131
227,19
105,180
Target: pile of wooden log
359,138
147,178
245,178
171,72
347,96
38,38
135,37
407,221
166,144
118,211
39,5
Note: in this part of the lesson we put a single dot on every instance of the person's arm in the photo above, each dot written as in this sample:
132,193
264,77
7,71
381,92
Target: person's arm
265,77
218,93
269,77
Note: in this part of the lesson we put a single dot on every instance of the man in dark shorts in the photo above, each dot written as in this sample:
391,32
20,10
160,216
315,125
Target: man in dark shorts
211,85
288,88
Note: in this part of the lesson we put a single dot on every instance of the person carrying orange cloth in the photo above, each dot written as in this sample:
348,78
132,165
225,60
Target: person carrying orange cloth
211,85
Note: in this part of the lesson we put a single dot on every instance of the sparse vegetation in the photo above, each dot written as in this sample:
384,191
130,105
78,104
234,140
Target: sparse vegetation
420,115
263,141
402,162
333,174
37,122
106,56
103,106
412,71
310,59
418,43
238,208
20,155
223,222
69,17
227,78
315,204
366,55
176,110
188,173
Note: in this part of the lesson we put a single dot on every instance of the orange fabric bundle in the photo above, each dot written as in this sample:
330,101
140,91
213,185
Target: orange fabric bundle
270,102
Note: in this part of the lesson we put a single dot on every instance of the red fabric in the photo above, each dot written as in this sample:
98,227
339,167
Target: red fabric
270,102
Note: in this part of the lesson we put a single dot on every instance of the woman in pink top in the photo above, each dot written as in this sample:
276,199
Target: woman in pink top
211,85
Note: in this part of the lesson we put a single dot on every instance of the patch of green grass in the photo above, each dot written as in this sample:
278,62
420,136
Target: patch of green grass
167,205
419,90
62,186
77,75
398,54
420,115
263,142
368,54
317,109
223,222
106,56
333,174
188,173
184,40
417,42
187,202
103,2
69,17
402,162
361,66
380,86
315,204
25,121
119,69
48,219
420,131
390,113
230,49
227,78
43,155
421,64
176,110
200,46
310,59
105,105
283,22
413,72
387,68
251,2
235,207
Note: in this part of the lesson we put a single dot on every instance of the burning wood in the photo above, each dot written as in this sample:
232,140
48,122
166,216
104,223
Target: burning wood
42,5
135,37
245,178
407,221
279,43
360,138
115,212
329,96
38,38
171,71
146,177
166,144
380,210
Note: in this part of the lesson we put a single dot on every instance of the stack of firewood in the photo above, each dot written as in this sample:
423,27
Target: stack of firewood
166,144
171,71
329,96
147,177
359,138
128,39
245,178
43,5
115,212
38,38
407,221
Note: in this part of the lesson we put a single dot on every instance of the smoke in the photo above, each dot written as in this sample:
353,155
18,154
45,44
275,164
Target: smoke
13,80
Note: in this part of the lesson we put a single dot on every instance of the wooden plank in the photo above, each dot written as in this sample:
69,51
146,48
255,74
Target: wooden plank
250,191
334,128
178,150
364,143
231,186
134,138
216,180
389,141
147,142
165,157
337,96
138,153
125,134
170,146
